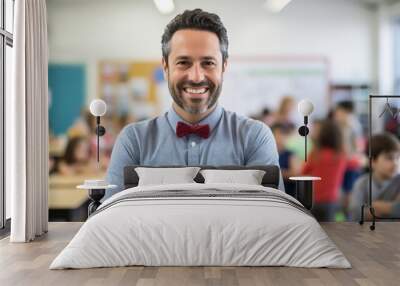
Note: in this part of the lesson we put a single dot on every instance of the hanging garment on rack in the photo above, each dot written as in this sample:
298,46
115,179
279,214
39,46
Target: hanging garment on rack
390,109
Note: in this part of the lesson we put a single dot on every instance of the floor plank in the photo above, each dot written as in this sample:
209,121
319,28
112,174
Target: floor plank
374,255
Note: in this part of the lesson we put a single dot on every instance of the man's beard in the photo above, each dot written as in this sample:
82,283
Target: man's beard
213,91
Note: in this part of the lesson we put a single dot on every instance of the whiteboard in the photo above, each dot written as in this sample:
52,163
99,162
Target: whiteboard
250,85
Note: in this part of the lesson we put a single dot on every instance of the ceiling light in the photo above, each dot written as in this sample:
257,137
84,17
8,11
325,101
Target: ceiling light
276,6
165,6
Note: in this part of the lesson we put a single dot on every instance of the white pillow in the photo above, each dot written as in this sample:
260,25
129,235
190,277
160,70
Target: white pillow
248,177
163,176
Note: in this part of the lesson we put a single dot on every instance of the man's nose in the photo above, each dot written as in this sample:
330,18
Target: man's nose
196,73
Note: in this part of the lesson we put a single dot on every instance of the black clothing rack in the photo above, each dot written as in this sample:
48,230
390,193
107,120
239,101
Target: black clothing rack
369,203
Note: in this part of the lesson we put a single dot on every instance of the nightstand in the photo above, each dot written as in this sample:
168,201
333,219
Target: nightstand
96,193
304,189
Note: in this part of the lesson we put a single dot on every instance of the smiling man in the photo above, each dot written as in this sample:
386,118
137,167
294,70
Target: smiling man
195,130
194,62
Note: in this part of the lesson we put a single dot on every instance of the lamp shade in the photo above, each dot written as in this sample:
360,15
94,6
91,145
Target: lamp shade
98,107
305,107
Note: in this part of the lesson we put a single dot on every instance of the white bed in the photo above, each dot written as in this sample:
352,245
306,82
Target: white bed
203,225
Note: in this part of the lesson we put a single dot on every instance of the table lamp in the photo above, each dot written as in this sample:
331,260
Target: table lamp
97,187
305,108
304,184
98,108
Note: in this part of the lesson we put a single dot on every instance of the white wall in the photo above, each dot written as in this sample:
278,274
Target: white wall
386,61
344,31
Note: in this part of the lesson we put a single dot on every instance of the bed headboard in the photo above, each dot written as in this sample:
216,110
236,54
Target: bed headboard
270,179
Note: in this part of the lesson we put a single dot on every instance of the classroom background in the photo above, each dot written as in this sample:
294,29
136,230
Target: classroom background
332,52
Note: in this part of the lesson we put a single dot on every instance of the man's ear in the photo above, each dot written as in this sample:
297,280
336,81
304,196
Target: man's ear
165,68
224,65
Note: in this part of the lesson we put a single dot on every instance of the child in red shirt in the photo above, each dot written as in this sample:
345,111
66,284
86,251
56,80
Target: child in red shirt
328,161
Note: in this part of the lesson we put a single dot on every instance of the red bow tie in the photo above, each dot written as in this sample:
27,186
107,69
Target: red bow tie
183,129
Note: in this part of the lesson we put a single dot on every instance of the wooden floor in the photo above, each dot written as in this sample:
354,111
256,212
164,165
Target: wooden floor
374,255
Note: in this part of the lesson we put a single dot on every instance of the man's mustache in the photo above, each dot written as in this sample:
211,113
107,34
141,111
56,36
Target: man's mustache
189,84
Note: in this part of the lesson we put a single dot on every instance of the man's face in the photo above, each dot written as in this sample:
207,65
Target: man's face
194,70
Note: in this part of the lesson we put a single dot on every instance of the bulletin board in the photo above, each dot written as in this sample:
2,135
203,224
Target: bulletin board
131,87
252,84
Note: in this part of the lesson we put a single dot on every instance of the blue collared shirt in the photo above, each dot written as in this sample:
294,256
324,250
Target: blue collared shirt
234,140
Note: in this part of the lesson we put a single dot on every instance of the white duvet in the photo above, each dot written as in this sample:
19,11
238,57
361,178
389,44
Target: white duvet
207,230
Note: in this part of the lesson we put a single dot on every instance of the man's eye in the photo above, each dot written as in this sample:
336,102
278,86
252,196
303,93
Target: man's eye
209,63
182,63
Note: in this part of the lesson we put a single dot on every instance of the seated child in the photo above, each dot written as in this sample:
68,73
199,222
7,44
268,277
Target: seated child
77,158
290,165
385,183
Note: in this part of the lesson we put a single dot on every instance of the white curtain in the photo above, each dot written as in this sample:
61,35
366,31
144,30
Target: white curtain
27,123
